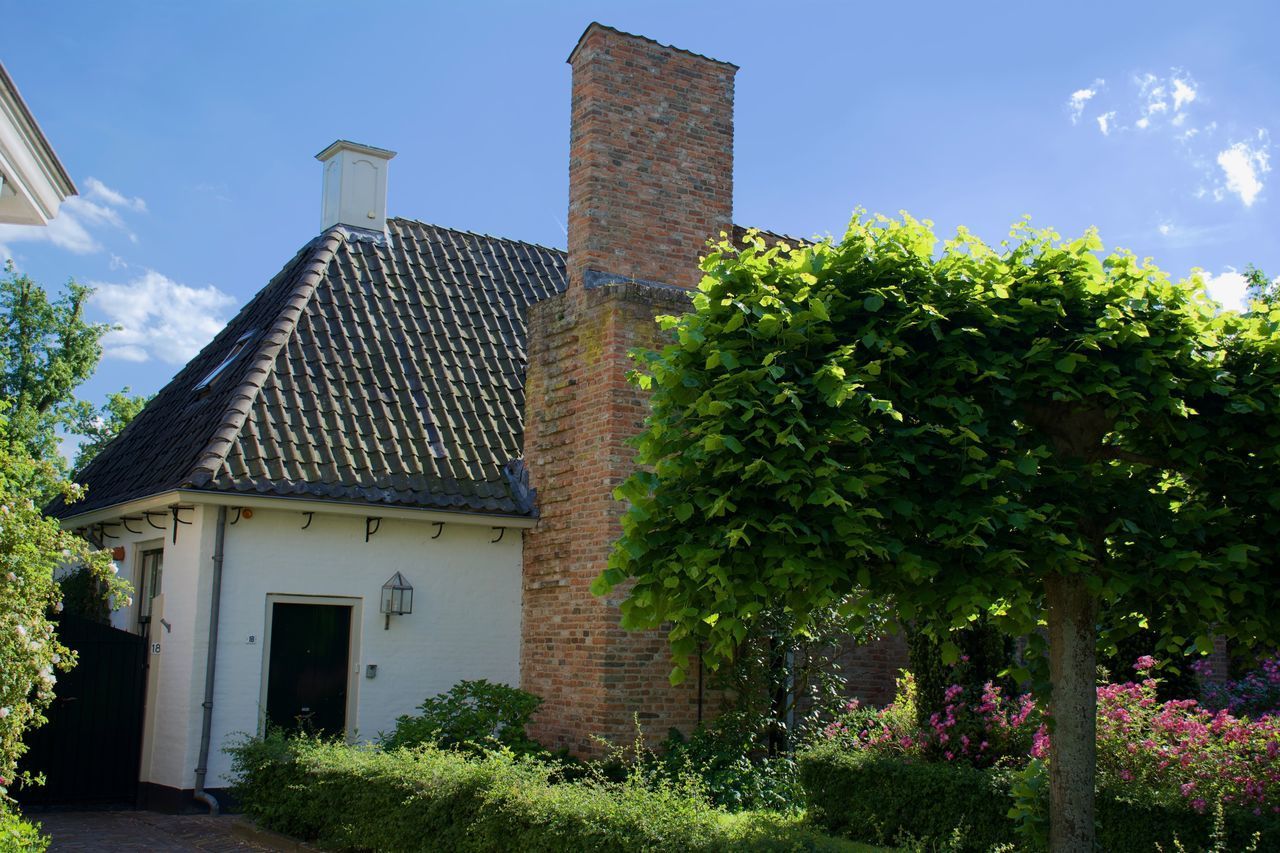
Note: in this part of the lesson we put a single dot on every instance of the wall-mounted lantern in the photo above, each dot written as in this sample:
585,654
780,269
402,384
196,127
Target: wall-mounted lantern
397,598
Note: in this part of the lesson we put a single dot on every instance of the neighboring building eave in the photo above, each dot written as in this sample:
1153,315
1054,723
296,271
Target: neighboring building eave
166,499
33,182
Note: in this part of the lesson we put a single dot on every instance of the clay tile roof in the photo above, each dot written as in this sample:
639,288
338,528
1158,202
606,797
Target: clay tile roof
379,371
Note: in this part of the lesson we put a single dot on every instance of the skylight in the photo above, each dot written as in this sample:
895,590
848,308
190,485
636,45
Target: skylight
242,343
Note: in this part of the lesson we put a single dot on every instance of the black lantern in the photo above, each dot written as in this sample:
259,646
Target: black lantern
397,597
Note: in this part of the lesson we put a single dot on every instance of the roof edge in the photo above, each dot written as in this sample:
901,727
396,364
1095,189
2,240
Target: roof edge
215,452
33,137
596,25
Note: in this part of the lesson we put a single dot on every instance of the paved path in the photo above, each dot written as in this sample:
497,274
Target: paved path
150,832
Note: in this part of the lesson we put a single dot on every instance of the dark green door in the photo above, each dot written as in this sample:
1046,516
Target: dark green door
310,656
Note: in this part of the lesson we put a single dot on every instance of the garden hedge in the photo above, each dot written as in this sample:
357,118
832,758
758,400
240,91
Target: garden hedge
881,800
356,798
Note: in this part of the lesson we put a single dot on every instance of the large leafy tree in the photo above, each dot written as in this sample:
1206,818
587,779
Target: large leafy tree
1033,434
98,426
47,349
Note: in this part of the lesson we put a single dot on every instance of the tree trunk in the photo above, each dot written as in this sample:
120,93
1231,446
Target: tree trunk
1073,708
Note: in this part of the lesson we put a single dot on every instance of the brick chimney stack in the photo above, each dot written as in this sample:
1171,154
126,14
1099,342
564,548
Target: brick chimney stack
650,159
650,181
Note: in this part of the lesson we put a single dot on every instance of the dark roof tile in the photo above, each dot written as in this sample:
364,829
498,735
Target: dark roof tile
384,371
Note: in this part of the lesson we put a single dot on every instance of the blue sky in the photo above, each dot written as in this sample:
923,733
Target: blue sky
191,130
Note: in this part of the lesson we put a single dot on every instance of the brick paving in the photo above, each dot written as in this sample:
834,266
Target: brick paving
145,832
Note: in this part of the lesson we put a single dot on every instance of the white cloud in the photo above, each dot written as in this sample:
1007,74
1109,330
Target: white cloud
1165,228
1184,92
1243,165
159,318
1104,122
1080,97
97,189
1154,94
78,217
1229,288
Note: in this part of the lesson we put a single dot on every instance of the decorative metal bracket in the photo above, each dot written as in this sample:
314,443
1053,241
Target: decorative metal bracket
125,519
439,529
102,531
175,509
310,517
148,515
502,531
238,510
371,526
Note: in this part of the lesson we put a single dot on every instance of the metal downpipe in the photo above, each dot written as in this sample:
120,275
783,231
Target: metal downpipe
211,662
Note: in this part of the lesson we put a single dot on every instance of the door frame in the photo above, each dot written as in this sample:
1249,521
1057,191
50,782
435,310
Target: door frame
353,652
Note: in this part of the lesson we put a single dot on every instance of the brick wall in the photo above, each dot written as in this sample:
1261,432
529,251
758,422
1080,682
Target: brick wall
650,158
650,180
580,410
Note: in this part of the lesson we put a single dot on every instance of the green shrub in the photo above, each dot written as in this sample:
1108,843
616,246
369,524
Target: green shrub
19,836
880,799
473,715
985,652
883,799
362,798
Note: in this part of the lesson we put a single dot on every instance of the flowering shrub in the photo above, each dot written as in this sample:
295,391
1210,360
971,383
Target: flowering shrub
1254,695
978,726
31,549
1180,750
1174,753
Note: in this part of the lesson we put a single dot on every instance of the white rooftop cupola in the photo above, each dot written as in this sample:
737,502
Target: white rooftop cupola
355,186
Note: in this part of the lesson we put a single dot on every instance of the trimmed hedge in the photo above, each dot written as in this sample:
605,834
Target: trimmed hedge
882,800
361,798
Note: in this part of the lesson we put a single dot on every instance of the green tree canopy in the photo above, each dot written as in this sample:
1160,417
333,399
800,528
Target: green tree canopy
47,350
1034,434
99,426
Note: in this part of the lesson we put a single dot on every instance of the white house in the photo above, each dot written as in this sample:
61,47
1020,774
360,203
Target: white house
368,417
357,421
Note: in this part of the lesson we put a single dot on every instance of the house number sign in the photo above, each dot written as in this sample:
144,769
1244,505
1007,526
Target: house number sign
155,648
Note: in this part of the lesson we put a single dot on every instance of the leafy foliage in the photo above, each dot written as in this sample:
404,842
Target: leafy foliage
46,351
985,653
1031,434
99,426
349,797
475,715
86,596
948,429
32,547
19,836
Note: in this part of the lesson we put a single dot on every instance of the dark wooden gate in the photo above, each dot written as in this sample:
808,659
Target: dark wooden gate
90,749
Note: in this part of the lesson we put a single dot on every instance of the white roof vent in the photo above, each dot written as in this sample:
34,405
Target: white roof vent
355,186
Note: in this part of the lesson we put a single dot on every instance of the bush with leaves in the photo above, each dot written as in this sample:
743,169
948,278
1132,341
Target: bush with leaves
985,653
473,715
358,798
32,548
18,835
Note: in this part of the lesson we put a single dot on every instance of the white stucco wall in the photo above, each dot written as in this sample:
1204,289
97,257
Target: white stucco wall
465,622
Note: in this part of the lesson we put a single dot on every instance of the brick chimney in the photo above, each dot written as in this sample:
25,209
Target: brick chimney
650,158
650,180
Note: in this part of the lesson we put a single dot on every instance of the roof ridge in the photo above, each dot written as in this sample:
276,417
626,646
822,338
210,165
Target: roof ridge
214,454
477,234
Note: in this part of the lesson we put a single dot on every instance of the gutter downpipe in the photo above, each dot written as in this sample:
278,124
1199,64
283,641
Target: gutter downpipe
211,661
